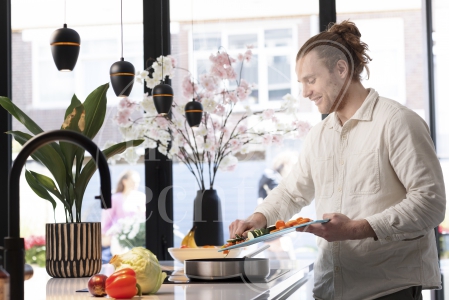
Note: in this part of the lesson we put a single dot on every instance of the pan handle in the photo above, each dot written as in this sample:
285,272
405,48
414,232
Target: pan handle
254,253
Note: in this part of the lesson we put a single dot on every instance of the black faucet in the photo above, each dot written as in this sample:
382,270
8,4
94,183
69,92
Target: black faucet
14,244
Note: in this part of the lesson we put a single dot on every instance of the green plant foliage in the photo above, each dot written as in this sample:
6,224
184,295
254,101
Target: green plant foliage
35,255
65,160
132,235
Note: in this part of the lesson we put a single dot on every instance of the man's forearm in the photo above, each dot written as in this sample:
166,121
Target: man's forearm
361,229
259,220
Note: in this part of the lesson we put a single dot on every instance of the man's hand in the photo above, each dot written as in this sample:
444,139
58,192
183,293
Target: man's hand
240,227
340,228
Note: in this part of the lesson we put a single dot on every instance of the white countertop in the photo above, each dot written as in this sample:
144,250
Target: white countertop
41,286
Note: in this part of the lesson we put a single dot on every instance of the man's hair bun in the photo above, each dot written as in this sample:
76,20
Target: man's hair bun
344,28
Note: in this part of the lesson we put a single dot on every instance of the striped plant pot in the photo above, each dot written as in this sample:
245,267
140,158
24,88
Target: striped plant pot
73,249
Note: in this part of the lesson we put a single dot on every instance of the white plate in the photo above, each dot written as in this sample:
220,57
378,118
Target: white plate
181,254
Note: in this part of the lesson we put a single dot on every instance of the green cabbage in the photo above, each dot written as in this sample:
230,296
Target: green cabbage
148,271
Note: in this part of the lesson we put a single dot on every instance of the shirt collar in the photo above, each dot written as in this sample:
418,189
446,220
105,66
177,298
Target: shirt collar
364,113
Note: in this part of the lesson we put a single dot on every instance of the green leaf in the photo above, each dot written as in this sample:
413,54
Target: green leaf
90,168
74,103
48,156
95,106
17,113
69,150
20,116
38,189
47,183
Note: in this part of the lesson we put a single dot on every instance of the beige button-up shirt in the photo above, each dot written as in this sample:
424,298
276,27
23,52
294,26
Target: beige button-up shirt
380,166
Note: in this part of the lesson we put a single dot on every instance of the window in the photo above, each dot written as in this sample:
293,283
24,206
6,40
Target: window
274,32
270,66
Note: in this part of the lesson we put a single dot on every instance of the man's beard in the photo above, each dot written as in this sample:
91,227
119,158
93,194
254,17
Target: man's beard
342,98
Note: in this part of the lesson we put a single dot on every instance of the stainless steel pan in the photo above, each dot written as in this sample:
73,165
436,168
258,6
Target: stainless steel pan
223,268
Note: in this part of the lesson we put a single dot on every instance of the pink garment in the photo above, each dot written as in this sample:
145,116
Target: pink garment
123,207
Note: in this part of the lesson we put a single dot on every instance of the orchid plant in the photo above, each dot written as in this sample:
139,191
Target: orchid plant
228,125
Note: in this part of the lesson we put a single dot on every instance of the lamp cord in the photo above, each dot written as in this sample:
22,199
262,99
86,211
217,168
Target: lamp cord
193,55
162,40
65,12
121,23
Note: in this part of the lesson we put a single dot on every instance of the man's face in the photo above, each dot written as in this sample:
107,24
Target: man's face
318,83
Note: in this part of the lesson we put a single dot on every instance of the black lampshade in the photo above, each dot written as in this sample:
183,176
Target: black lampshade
163,98
65,48
194,113
122,77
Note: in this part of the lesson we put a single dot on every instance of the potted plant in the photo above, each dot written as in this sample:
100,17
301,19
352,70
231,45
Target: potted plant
228,128
73,248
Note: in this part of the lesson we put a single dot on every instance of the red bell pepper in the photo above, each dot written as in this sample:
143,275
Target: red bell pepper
122,284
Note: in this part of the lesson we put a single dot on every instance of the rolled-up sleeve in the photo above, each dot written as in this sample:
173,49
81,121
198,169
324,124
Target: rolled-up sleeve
412,156
294,191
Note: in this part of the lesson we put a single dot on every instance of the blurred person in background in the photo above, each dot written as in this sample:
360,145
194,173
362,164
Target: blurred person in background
280,167
128,209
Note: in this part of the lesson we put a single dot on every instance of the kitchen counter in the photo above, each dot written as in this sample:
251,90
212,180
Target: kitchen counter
296,281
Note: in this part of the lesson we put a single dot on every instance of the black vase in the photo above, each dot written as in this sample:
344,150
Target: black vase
73,249
208,218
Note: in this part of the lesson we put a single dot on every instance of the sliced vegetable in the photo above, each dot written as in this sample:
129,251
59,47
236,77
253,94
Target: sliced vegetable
257,232
279,223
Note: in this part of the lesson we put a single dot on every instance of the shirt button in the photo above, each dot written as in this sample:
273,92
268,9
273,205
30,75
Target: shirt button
343,137
388,238
339,189
337,269
342,162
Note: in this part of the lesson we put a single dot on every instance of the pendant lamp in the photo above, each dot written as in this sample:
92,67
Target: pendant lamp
163,98
193,110
122,72
122,77
162,93
65,47
194,113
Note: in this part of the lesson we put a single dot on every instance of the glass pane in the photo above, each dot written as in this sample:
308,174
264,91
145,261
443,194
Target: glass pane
203,66
242,40
44,94
275,33
278,70
278,37
275,95
397,70
206,41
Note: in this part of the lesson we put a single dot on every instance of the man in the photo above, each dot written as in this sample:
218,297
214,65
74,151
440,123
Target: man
372,169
